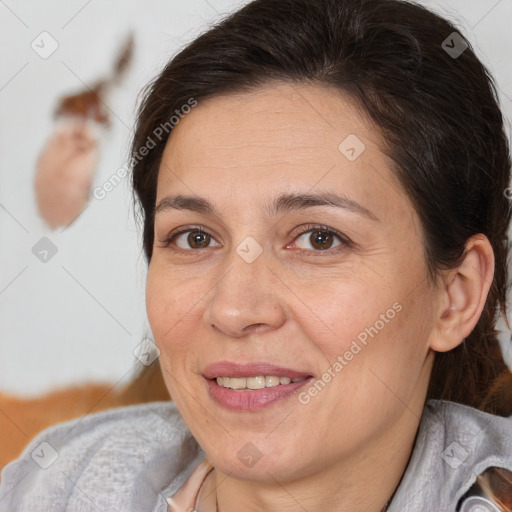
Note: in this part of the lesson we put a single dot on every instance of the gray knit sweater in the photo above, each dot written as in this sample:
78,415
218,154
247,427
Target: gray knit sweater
131,459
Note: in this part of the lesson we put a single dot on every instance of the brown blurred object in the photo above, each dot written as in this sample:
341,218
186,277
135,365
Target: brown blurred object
89,104
21,419
492,490
66,166
65,171
497,486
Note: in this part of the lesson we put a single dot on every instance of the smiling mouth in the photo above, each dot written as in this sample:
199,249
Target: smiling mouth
254,383
250,388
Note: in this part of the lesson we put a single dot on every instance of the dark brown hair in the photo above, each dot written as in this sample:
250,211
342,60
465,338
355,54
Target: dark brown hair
438,113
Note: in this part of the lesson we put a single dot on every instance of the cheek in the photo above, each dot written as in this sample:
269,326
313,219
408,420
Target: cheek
375,331
171,306
341,311
170,310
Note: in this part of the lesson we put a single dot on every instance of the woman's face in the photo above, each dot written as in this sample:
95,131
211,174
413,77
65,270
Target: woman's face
285,248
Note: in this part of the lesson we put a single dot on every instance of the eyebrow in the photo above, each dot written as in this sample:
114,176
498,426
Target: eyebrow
283,203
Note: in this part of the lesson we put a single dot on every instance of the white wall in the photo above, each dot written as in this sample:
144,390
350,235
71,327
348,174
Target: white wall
80,315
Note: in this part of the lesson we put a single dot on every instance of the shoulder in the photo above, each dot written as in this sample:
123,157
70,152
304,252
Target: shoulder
120,459
455,443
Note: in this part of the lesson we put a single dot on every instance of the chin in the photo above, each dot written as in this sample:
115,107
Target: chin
256,462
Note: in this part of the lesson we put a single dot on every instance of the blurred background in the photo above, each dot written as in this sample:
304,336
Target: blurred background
72,298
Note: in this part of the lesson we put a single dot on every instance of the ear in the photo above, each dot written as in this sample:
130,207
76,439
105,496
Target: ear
462,295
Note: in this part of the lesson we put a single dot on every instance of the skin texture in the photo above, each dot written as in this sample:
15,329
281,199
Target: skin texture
297,306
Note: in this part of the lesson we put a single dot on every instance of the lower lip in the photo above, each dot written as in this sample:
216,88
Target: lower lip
252,400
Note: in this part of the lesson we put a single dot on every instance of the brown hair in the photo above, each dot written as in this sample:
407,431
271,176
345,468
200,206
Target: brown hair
438,112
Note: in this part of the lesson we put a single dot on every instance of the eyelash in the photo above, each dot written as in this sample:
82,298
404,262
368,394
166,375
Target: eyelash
344,241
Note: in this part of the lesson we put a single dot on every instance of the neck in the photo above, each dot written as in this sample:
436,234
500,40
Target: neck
342,487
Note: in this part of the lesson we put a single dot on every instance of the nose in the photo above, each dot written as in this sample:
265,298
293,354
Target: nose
245,299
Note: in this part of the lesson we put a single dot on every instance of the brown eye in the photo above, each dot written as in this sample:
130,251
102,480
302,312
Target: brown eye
321,240
192,239
318,240
198,239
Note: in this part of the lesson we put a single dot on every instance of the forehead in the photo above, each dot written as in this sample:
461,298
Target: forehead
278,121
294,137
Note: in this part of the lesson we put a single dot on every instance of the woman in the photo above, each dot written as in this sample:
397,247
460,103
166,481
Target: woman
322,185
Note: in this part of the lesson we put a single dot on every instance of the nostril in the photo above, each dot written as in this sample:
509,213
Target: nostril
257,328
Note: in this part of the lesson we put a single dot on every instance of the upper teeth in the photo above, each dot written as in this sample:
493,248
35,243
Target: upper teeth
259,382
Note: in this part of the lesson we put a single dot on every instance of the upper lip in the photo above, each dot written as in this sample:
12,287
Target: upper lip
229,369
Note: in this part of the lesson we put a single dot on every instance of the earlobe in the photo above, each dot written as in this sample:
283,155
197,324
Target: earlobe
463,294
